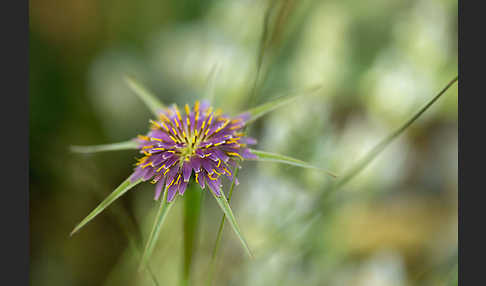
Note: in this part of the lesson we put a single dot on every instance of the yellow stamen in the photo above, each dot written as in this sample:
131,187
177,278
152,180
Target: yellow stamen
219,163
155,139
219,143
178,114
155,123
188,121
214,170
196,106
171,182
165,127
196,178
158,170
234,154
164,118
166,171
210,119
214,179
173,139
142,137
143,167
226,170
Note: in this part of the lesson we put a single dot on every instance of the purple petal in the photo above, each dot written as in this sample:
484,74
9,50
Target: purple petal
186,171
150,172
196,163
215,186
249,140
158,188
182,187
201,179
172,174
245,153
137,174
171,192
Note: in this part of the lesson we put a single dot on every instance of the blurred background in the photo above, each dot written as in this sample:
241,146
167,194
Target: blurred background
378,61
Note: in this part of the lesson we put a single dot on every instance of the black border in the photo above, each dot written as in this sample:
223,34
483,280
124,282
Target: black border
14,210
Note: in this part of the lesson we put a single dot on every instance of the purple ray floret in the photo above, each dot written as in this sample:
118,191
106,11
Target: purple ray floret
200,143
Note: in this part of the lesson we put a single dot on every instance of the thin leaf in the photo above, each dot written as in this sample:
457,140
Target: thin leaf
262,48
119,191
164,209
150,100
373,153
126,145
224,205
212,264
273,157
265,108
386,141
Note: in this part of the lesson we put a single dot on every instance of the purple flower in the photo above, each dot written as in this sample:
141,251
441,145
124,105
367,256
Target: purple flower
199,143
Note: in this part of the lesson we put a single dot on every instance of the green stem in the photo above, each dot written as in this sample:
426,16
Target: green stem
192,211
212,264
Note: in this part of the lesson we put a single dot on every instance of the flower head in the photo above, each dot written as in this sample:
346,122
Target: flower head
198,139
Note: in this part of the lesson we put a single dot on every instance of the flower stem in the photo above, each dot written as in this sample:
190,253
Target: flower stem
192,211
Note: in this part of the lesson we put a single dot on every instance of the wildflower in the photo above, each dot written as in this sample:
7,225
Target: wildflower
199,140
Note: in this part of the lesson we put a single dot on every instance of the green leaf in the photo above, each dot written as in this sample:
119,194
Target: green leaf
212,264
373,153
119,191
145,95
224,205
265,108
273,157
164,209
126,145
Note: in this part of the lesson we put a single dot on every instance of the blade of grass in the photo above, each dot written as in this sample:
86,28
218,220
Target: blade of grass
118,192
164,209
150,100
224,205
262,47
373,153
126,145
192,212
267,107
387,140
264,156
212,264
